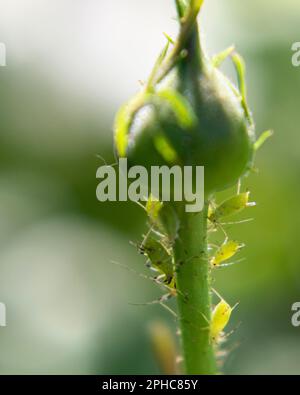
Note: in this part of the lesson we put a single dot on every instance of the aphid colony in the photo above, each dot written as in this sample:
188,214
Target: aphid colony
189,114
157,248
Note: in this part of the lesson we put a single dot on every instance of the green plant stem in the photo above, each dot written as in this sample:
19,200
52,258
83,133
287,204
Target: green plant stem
193,286
190,249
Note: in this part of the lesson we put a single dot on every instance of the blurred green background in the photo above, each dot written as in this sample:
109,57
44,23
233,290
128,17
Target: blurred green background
70,64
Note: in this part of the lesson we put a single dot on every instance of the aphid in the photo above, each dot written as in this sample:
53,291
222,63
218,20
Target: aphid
159,259
168,222
153,207
163,220
220,318
230,206
226,251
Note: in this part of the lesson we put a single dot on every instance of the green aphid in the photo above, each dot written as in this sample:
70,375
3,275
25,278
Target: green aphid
219,320
230,206
159,259
163,218
226,251
153,208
